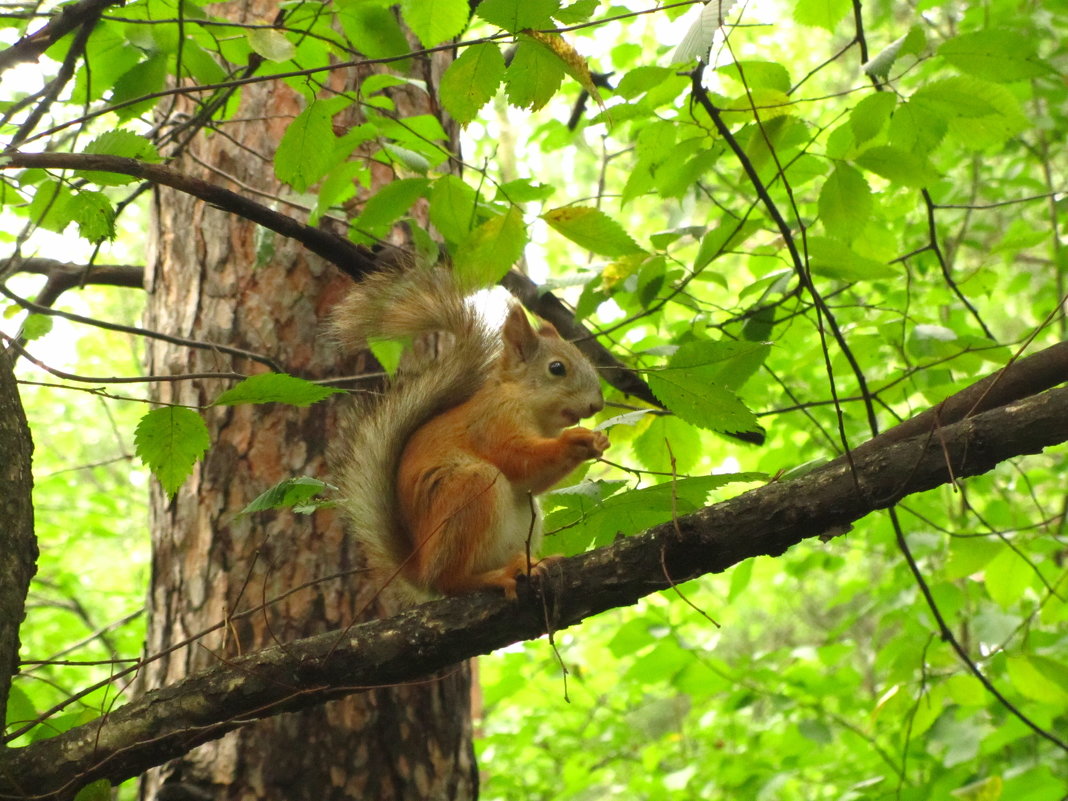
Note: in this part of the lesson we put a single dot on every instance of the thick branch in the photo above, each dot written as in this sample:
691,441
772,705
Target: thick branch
32,45
766,521
350,258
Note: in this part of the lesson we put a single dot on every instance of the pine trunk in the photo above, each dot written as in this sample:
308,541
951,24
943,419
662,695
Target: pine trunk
217,278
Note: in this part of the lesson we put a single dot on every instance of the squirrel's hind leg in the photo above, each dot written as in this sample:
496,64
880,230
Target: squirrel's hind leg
453,527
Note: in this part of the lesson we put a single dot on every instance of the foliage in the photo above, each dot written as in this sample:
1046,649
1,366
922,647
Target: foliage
807,224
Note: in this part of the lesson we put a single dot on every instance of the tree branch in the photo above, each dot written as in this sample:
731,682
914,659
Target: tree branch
766,521
350,258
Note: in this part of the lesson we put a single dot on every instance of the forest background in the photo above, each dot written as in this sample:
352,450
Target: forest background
785,227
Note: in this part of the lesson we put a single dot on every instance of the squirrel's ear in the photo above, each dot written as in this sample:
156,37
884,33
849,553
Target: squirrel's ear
520,340
547,329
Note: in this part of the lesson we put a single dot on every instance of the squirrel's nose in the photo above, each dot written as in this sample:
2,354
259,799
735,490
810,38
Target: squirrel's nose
595,407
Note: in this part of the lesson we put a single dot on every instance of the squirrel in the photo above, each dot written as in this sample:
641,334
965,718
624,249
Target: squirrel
438,473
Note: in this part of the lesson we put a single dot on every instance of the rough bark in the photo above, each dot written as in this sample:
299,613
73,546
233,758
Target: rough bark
765,521
18,545
219,278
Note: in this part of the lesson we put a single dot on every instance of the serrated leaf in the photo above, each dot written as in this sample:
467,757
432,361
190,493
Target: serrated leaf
593,230
667,437
573,62
170,441
144,78
386,205
845,202
122,143
518,15
641,79
275,388
835,259
995,55
576,12
434,21
306,152
979,113
373,31
94,214
533,76
758,74
452,207
1007,577
688,387
270,43
290,493
51,206
870,115
472,80
1040,678
912,43
700,35
99,790
488,252
36,326
897,166
825,14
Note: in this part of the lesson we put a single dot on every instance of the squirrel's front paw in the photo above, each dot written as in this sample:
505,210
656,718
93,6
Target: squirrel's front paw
591,444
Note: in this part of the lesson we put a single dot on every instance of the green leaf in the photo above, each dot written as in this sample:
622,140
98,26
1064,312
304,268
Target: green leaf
122,143
641,79
490,250
825,14
386,205
995,55
979,113
434,21
688,387
270,43
94,214
99,790
36,326
845,202
144,78
664,437
835,259
452,208
1007,577
373,30
912,43
870,115
897,166
1040,678
518,15
275,388
51,206
593,230
758,74
306,152
472,80
576,12
170,441
295,493
533,76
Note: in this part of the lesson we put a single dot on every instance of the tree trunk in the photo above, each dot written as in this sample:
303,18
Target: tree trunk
208,279
18,545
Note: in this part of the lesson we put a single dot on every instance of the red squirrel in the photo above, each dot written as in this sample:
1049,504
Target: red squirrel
438,472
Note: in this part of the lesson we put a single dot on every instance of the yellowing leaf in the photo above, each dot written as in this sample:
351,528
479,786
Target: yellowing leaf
592,229
574,64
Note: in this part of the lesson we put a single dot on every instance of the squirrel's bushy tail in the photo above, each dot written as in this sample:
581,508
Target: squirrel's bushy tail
454,349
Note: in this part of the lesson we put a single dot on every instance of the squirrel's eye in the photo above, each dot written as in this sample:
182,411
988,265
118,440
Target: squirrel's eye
557,368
